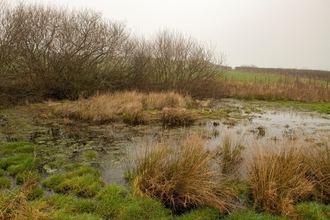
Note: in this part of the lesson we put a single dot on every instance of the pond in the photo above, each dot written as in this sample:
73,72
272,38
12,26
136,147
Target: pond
106,146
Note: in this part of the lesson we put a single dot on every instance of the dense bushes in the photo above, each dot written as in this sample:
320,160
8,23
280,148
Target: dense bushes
54,52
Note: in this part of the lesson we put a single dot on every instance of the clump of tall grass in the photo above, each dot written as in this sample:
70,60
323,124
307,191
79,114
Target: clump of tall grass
108,107
278,178
177,118
14,204
181,176
320,170
230,154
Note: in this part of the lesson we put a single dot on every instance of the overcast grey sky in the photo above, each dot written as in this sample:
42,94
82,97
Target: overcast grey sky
265,33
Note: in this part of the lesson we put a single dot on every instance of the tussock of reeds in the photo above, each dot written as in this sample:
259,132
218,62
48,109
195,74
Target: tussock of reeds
181,176
279,178
320,170
177,118
109,107
230,154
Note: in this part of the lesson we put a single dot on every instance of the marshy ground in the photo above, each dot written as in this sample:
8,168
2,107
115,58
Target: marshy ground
109,145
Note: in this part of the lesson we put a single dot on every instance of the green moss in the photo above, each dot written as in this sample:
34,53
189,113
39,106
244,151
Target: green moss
4,183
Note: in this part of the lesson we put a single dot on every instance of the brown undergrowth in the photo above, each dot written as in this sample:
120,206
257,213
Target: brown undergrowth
131,106
279,177
180,175
14,204
297,91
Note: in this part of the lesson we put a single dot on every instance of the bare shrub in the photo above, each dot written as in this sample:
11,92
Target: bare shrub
61,53
279,178
181,176
179,63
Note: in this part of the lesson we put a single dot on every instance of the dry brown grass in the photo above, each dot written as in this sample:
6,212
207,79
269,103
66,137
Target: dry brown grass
297,91
107,107
279,178
181,176
177,117
14,205
320,170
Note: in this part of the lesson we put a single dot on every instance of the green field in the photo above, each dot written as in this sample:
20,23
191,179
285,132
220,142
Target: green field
254,77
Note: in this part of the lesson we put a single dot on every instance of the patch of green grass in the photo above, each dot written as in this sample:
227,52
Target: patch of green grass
83,182
313,211
206,213
250,214
111,200
142,208
214,113
35,193
4,183
16,147
320,107
69,207
25,175
19,163
90,154
57,163
253,77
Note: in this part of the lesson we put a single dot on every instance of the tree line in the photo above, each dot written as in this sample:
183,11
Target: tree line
52,52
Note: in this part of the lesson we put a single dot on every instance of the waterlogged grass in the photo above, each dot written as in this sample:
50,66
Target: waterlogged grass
18,160
91,154
83,182
79,193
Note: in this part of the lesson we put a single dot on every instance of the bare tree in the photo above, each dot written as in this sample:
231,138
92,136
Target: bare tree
61,53
181,63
